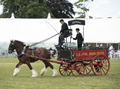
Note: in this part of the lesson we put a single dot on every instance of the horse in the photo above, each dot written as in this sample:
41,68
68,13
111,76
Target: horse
38,52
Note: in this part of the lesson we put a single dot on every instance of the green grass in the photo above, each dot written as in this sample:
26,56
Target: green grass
24,81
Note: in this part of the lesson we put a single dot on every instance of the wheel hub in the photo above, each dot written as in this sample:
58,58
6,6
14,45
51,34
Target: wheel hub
100,64
65,69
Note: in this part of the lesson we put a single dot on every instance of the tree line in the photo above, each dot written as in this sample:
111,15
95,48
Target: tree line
41,8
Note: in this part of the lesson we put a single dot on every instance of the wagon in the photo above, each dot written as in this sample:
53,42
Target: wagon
81,61
84,61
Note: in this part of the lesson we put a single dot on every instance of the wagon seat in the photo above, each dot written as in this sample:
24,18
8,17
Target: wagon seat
69,33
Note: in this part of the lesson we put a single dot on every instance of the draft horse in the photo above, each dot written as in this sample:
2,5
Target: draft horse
39,52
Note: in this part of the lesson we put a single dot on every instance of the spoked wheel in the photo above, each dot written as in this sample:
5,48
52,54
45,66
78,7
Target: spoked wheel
65,69
88,68
78,69
101,65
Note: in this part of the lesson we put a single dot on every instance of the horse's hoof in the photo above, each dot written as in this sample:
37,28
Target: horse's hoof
54,75
43,71
42,74
14,75
34,76
16,71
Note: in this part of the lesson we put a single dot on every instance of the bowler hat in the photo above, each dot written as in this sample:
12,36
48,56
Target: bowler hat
61,20
77,29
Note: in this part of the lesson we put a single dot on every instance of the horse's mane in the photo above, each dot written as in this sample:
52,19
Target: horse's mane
22,43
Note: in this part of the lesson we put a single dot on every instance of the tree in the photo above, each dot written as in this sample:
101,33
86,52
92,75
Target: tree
37,8
82,5
25,8
61,8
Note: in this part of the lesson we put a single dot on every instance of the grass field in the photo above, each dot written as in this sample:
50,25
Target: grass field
24,81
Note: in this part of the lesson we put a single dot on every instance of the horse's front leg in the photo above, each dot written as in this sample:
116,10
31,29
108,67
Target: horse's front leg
17,69
34,73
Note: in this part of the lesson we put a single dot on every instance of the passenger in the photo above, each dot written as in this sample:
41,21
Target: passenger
79,38
63,32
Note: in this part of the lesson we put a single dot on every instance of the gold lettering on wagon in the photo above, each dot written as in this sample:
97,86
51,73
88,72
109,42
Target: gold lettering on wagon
89,54
96,53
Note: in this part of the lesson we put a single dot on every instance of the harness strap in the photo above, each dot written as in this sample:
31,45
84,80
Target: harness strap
39,53
24,49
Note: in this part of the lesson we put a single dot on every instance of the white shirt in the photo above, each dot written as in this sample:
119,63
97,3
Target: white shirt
111,48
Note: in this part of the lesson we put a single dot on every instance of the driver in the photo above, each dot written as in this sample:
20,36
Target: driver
63,32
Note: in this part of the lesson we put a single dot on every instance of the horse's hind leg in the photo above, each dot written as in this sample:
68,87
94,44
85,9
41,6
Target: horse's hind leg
44,69
34,73
17,69
54,70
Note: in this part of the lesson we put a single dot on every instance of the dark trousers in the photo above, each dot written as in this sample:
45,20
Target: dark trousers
79,45
61,38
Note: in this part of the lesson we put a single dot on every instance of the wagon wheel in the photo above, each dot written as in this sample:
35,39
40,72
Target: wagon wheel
78,69
88,68
65,69
100,65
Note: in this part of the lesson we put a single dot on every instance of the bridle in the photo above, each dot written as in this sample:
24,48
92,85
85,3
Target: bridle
12,46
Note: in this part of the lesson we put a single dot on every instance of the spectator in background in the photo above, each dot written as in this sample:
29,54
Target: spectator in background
50,49
97,45
101,45
111,51
110,47
118,51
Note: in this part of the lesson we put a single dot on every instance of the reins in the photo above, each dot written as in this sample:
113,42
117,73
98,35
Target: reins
36,43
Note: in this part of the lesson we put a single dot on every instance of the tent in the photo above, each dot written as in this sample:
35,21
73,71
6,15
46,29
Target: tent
34,30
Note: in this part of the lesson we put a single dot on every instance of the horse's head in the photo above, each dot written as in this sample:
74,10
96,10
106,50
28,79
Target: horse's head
11,47
18,45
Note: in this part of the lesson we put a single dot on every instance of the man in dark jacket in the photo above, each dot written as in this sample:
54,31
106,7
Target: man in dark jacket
79,38
63,32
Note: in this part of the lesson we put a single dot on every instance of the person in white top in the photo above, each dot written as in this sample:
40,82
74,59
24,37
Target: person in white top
111,47
111,51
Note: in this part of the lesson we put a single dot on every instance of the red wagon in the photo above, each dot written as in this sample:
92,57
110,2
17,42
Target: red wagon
83,61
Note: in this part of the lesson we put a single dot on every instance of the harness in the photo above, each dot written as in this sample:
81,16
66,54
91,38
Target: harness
23,53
